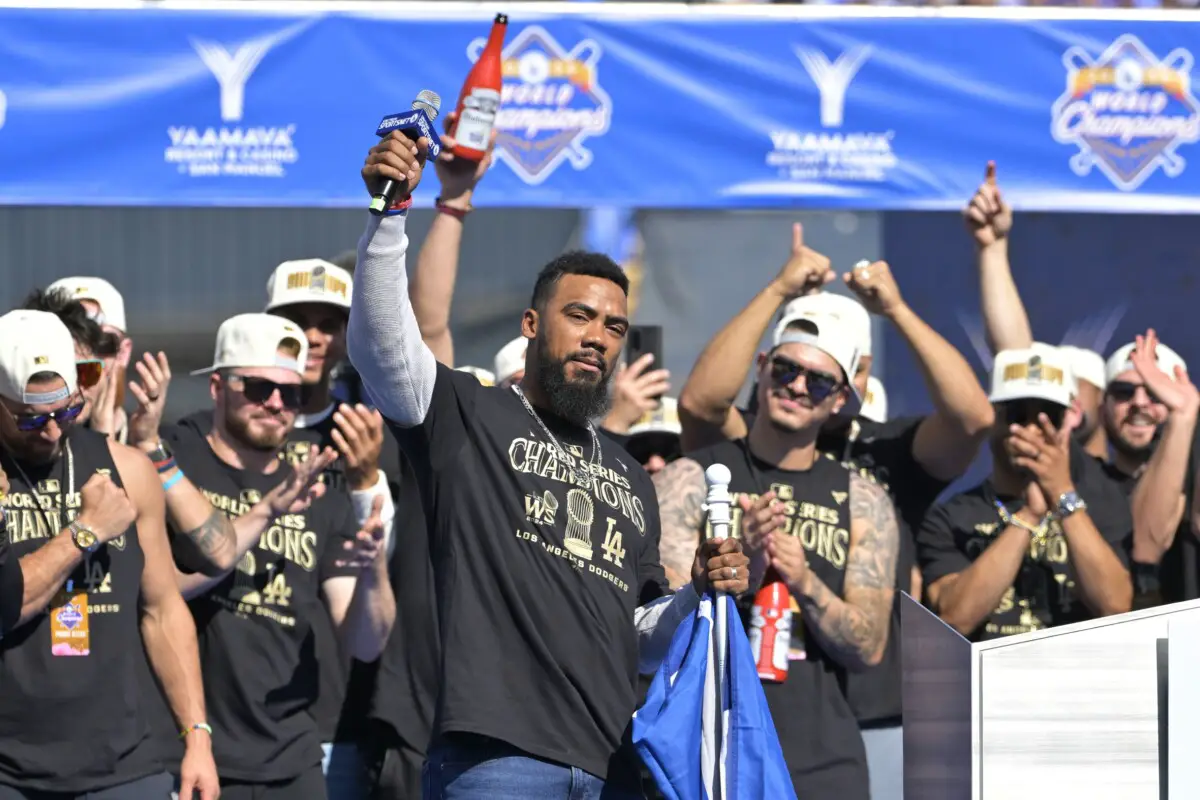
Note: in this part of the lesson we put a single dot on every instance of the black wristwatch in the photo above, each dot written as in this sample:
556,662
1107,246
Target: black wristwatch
162,456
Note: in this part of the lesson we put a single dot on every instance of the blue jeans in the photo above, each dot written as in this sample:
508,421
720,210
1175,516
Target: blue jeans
345,775
492,770
885,762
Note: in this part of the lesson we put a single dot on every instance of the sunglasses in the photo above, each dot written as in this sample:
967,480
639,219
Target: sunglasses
1025,412
820,385
1124,391
259,390
28,423
88,372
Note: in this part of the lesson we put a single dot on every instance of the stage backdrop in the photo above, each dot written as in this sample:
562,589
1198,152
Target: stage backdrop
648,106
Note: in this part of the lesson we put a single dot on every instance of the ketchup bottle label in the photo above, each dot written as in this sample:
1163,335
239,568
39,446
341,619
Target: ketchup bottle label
477,118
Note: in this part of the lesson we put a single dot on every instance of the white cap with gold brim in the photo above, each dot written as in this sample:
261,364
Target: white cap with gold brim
664,419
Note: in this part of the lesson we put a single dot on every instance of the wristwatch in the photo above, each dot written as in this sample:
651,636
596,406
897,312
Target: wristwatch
1068,504
85,538
161,456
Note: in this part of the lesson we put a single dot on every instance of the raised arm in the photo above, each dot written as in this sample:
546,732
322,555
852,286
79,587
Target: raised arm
681,491
706,410
989,220
383,337
1158,499
946,441
432,287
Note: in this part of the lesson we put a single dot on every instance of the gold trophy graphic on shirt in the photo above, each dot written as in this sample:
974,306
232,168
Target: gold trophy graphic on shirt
580,513
245,588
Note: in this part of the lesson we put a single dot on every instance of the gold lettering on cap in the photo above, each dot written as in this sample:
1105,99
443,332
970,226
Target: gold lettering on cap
1034,371
41,359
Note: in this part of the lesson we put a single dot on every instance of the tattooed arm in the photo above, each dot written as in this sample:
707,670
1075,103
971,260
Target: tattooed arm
204,540
854,628
681,491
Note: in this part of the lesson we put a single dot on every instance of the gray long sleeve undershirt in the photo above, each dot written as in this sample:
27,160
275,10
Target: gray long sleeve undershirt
398,372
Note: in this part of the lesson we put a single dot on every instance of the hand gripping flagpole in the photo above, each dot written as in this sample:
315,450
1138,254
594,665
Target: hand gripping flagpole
717,476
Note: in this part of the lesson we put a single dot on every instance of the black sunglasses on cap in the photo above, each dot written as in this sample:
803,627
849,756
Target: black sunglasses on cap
1025,412
259,390
820,385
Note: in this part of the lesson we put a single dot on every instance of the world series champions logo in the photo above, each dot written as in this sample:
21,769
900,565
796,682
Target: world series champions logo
1127,111
550,103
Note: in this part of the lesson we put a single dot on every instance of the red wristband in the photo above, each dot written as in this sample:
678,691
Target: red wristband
457,213
400,207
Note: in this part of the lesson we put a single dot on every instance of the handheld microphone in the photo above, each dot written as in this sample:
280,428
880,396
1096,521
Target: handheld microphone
717,476
414,124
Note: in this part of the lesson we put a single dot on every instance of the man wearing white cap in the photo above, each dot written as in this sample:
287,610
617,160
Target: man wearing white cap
106,306
829,534
653,439
1031,547
315,295
299,562
913,458
1150,409
85,516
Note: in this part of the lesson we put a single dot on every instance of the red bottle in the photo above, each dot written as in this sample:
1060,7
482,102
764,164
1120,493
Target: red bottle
480,98
771,628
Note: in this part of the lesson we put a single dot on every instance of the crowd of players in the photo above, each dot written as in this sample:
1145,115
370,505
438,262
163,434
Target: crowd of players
261,591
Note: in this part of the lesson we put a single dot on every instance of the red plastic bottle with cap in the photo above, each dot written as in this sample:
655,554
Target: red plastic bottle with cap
479,101
771,628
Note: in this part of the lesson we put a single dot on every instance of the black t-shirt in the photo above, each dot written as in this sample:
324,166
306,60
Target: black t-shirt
538,575
1179,571
882,452
12,587
406,672
256,627
1044,594
816,727
74,723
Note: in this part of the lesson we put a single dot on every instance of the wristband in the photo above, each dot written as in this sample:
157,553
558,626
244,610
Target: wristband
399,208
457,213
199,726
171,481
165,466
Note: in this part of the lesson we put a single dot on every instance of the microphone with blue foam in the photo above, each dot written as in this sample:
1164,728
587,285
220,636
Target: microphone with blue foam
414,124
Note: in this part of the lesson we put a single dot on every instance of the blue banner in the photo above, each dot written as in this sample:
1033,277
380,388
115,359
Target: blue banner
606,107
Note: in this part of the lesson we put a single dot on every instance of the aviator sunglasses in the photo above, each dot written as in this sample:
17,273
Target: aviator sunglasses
1025,412
820,385
259,390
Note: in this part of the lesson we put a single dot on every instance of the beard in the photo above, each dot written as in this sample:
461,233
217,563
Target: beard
243,432
579,400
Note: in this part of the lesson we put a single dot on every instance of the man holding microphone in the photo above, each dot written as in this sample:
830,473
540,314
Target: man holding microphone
544,533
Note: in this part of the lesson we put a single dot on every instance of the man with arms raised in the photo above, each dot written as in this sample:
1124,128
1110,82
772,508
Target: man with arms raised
544,536
85,516
829,533
296,565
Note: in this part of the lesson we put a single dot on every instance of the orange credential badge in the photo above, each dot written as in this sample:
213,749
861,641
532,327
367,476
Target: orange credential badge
69,635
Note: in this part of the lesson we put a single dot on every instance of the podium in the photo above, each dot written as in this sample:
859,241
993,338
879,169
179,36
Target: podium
1079,711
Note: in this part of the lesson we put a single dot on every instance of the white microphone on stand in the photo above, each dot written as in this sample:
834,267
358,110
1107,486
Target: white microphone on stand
717,476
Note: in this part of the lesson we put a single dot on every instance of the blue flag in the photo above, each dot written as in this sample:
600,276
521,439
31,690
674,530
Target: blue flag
693,752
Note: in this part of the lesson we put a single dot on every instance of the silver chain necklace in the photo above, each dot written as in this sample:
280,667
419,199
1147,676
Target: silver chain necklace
582,476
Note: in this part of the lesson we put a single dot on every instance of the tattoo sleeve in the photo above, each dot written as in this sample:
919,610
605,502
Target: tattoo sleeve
853,628
204,548
681,491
